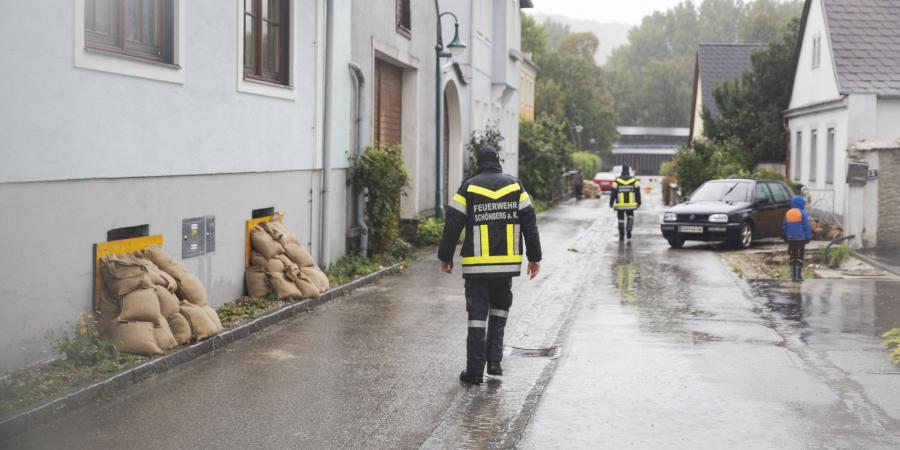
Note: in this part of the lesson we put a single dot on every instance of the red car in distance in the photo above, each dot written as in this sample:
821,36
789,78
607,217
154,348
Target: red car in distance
604,180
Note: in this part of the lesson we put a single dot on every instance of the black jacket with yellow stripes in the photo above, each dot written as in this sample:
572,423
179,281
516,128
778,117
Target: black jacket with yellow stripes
496,213
625,194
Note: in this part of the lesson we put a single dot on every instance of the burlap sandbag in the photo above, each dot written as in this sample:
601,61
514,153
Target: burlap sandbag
214,318
307,287
299,255
191,289
181,329
284,288
160,278
124,273
105,323
257,259
202,327
280,231
165,262
263,243
257,286
318,277
109,304
275,264
164,337
140,305
168,302
136,337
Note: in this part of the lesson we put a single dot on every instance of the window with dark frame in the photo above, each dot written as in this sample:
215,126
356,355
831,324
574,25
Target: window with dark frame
267,31
404,18
137,28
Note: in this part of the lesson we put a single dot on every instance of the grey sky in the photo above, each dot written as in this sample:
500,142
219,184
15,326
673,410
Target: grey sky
628,11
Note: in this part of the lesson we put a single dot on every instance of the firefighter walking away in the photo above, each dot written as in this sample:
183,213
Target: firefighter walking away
496,213
625,197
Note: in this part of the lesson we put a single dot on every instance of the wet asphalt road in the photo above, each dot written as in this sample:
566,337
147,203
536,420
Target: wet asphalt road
614,346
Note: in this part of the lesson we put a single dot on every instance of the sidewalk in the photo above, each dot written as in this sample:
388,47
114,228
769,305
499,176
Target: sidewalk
887,259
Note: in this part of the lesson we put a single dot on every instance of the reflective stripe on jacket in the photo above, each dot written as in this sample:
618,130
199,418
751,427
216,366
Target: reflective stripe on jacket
625,194
496,213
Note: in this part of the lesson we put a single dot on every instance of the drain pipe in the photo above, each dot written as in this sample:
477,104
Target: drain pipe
326,128
359,81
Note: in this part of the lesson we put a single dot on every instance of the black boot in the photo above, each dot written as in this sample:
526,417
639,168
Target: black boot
494,368
471,379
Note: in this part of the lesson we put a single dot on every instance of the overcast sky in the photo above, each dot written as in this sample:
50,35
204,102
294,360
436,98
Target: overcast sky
628,11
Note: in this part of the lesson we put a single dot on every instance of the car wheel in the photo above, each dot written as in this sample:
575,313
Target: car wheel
745,239
676,242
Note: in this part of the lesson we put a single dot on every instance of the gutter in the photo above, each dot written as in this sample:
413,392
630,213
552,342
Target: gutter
359,80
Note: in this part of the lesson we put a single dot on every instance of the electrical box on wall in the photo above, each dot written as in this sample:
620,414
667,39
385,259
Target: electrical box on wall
198,236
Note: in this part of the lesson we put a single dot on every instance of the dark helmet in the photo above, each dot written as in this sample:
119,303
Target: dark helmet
626,171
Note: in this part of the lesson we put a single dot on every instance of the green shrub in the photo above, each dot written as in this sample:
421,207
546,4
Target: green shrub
764,174
82,345
708,160
490,135
544,153
588,163
382,172
429,232
835,256
244,307
892,341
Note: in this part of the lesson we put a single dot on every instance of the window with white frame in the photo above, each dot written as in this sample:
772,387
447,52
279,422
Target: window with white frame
813,155
829,157
798,156
817,51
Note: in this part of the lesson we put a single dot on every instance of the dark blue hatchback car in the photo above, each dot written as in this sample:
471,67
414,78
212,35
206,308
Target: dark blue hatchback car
735,211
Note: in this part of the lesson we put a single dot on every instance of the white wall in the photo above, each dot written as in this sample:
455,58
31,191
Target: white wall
888,120
813,86
72,123
825,197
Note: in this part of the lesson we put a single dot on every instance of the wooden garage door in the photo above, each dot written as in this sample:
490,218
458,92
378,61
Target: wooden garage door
388,103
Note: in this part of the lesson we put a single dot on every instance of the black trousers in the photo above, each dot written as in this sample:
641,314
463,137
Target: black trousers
624,214
487,302
797,251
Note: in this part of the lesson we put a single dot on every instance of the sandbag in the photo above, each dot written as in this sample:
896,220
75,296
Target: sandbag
257,259
280,231
109,304
214,318
160,278
168,302
105,323
181,328
307,287
275,264
257,286
123,266
140,305
202,327
136,337
164,337
299,255
165,262
263,243
318,277
284,288
190,288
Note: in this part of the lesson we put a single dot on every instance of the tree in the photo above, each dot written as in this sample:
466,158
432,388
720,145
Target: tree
555,32
751,109
534,38
583,45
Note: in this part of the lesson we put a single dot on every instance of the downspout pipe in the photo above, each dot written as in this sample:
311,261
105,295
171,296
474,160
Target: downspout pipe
359,81
326,128
438,118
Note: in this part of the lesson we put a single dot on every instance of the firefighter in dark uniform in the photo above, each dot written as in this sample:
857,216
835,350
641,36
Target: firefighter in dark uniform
496,213
625,197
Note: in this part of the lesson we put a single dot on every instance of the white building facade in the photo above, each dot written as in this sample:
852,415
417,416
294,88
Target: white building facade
149,117
846,91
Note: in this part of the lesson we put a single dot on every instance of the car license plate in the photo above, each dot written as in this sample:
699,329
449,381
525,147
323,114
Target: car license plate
690,229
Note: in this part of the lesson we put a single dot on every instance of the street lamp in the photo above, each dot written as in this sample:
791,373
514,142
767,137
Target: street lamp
456,45
578,130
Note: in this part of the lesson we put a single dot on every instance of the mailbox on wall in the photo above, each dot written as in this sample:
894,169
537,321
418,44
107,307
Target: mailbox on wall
857,173
198,236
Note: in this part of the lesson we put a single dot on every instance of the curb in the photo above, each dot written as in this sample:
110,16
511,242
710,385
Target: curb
875,263
28,419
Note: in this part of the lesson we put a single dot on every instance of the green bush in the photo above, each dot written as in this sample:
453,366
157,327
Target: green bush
544,152
82,345
382,172
490,135
429,232
349,267
708,160
835,256
892,341
588,163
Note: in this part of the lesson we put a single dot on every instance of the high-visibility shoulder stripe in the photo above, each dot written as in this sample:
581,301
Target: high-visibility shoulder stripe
459,198
458,202
626,182
494,195
523,196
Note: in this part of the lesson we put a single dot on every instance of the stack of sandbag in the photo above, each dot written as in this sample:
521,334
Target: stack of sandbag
280,264
151,303
825,230
591,189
